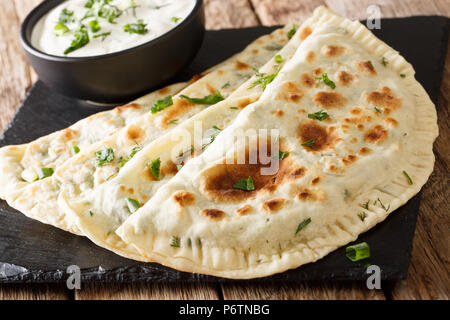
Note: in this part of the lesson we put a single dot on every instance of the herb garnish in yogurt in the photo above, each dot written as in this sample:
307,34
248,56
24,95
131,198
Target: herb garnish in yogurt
80,28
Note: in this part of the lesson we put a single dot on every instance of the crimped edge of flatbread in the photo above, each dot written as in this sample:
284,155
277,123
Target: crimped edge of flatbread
348,226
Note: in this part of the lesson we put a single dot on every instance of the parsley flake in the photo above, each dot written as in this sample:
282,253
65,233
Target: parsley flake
407,177
319,115
309,143
155,168
246,185
81,38
161,104
133,205
176,242
303,224
278,58
60,29
139,27
291,32
66,16
102,35
209,99
104,156
264,80
326,81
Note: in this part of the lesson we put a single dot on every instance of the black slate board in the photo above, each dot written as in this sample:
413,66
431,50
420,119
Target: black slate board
34,252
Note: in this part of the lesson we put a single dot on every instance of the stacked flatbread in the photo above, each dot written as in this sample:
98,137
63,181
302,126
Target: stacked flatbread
330,135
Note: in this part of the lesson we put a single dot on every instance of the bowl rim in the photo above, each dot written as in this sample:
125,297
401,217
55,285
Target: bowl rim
26,43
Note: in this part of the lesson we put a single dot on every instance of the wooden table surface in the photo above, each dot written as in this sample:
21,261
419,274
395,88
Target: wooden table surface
428,276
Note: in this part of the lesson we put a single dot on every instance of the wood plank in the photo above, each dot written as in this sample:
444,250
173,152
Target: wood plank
148,291
428,276
357,9
229,14
275,12
34,292
301,291
15,76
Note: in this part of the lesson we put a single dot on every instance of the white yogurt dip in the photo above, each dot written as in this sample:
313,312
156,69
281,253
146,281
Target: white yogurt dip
82,28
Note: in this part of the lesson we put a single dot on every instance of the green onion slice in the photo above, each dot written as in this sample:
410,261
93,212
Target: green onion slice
358,251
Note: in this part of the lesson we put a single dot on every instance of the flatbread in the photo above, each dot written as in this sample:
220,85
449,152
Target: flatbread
129,125
100,210
341,175
19,164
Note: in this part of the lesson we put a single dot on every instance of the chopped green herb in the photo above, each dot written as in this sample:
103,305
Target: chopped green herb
281,154
44,172
402,75
319,115
109,12
309,143
179,166
89,4
173,121
212,137
278,58
81,38
176,241
303,224
362,216
60,29
124,160
161,104
111,176
159,7
155,168
104,156
408,177
75,149
382,205
234,108
94,25
66,16
366,205
138,28
246,185
274,47
384,61
264,80
291,32
346,195
103,35
133,205
358,251
226,85
209,99
377,110
326,80
175,19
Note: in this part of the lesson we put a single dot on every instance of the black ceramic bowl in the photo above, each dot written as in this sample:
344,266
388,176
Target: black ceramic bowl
120,76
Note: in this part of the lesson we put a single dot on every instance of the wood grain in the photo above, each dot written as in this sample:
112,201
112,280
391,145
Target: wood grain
274,12
229,14
301,291
33,292
144,291
429,270
15,76
428,276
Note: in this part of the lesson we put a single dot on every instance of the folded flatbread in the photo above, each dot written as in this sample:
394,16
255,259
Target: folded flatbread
354,136
101,208
24,181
